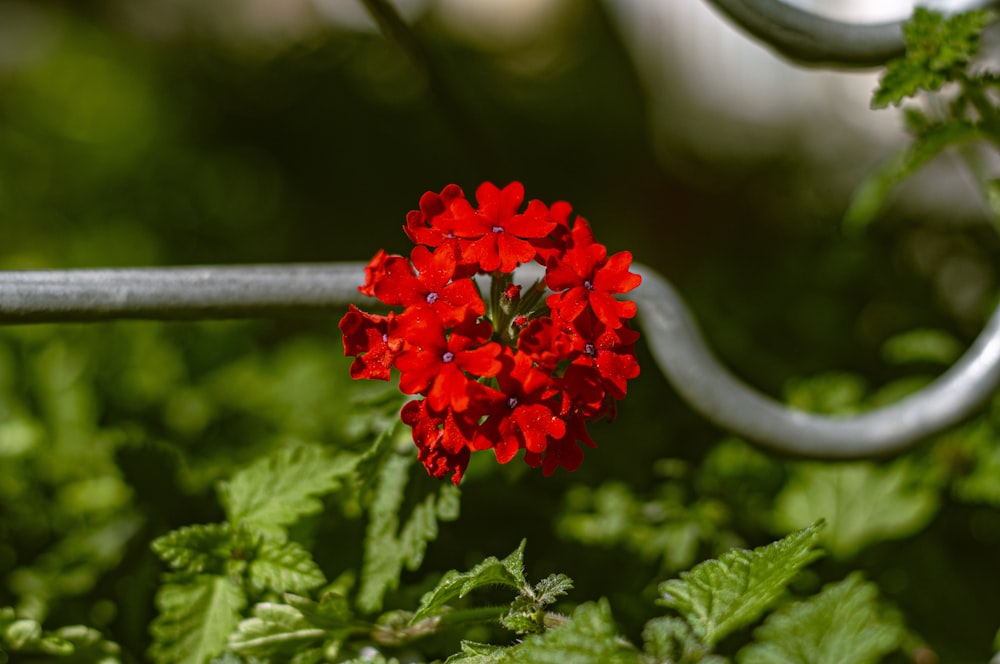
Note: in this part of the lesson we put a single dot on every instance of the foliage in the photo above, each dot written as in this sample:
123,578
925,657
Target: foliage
939,51
224,492
841,624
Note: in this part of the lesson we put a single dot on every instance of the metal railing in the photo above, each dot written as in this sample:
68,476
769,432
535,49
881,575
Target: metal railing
815,40
213,292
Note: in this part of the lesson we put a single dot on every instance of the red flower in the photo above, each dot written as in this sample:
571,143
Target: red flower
586,276
441,450
604,357
374,271
554,246
432,285
496,236
561,366
524,416
434,364
544,343
564,450
430,225
372,339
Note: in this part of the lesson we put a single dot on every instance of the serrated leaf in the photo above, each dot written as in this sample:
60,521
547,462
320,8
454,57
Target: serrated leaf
195,549
276,491
389,547
938,49
372,462
670,639
551,588
491,572
479,653
283,567
197,614
841,624
383,562
871,196
527,611
718,597
274,629
861,502
588,637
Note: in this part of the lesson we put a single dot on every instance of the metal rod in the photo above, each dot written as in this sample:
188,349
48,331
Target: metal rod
808,38
686,360
177,293
668,326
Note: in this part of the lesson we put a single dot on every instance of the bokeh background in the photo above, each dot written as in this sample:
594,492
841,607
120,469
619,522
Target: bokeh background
181,132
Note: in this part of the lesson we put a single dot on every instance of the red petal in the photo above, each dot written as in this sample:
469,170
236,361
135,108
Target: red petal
614,276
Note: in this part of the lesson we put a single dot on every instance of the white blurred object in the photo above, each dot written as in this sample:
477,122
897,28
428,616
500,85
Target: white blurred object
722,95
504,21
869,11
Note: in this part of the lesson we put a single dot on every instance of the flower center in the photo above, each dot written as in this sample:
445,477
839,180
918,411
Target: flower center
588,285
498,229
385,338
588,349
512,402
431,298
447,356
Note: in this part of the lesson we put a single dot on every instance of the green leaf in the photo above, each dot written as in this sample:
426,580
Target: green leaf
588,637
195,549
330,612
75,643
479,653
871,196
937,50
283,567
277,490
373,658
828,393
491,572
527,611
719,596
274,629
551,588
841,624
979,444
670,639
861,502
197,614
934,346
388,546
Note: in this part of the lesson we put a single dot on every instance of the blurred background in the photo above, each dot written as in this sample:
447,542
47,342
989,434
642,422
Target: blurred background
179,132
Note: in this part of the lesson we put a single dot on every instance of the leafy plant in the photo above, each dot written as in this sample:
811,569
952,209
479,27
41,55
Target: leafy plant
226,493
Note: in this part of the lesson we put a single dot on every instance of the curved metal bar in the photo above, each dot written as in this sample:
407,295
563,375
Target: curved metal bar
669,329
694,371
812,39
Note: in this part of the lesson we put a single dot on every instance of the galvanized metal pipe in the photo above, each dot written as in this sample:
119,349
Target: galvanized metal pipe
668,326
808,38
177,293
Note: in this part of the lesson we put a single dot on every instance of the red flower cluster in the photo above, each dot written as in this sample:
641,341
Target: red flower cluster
519,371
